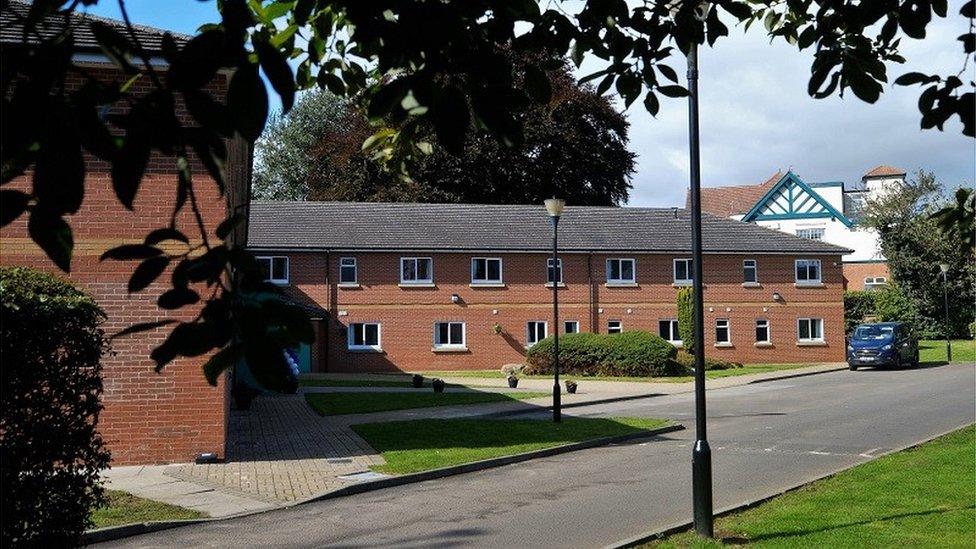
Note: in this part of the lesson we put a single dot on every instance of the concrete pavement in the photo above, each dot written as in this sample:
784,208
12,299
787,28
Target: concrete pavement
765,438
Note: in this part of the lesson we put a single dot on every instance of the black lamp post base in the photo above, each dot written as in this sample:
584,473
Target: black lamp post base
701,469
556,404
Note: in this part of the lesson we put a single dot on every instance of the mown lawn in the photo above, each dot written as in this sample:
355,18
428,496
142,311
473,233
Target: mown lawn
395,382
332,404
931,351
421,445
125,508
710,374
922,497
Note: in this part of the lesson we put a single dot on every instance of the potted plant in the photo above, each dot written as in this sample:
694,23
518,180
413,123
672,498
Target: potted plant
512,381
438,385
418,381
570,386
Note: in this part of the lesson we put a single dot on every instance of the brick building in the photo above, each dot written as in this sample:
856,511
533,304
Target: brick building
443,287
148,417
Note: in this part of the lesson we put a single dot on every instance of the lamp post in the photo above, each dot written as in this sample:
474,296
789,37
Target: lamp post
944,267
701,456
555,208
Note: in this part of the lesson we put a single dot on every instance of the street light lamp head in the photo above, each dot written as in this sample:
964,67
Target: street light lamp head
555,206
944,267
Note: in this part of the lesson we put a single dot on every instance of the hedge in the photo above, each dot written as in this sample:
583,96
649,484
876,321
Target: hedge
49,404
687,361
636,354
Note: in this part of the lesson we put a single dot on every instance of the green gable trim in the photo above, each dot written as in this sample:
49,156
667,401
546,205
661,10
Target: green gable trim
826,184
786,187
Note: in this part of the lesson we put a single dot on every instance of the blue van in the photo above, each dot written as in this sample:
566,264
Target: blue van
882,344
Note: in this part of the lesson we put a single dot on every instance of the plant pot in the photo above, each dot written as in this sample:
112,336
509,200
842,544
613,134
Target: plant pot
512,382
571,387
438,385
418,381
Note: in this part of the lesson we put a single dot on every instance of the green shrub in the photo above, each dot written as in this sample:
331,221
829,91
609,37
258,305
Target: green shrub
972,329
634,353
49,404
686,319
857,306
688,362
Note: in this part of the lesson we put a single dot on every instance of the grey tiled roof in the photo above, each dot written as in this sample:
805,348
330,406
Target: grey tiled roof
13,14
405,226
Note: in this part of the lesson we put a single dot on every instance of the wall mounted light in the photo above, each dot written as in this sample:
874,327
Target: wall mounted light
455,298
777,297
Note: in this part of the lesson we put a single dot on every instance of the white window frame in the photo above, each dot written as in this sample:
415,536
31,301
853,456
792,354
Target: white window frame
438,344
559,271
501,271
748,264
769,333
728,331
271,259
574,323
355,270
688,270
812,321
807,264
621,260
530,333
619,329
416,260
350,337
812,233
672,329
871,282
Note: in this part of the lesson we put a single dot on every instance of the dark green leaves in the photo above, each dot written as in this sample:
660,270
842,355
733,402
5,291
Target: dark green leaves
276,68
12,205
248,101
673,91
537,84
199,60
147,272
128,252
49,231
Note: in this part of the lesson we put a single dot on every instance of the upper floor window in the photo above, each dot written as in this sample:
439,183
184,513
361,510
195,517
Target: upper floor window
486,270
750,273
364,335
416,270
571,327
558,275
615,327
872,282
275,268
682,271
722,333
809,329
812,234
535,331
762,330
448,334
668,329
347,270
620,271
807,271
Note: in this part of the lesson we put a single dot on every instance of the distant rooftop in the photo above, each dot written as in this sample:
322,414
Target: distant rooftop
884,171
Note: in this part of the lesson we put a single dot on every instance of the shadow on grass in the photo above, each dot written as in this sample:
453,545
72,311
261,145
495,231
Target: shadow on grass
735,540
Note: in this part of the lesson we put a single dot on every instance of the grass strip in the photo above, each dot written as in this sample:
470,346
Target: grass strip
920,497
422,445
331,404
125,508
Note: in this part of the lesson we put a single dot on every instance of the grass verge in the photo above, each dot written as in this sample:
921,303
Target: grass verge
331,404
921,497
125,508
932,351
710,374
422,445
329,382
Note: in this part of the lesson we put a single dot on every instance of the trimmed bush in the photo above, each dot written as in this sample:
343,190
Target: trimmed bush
635,354
688,362
52,454
686,319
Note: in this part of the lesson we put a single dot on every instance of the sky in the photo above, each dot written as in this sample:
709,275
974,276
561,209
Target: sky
756,116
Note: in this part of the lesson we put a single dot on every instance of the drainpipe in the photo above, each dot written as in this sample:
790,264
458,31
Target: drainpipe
589,280
327,329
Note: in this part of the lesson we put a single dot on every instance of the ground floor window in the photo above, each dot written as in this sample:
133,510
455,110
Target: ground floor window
762,330
364,335
448,334
571,327
872,282
275,268
615,327
535,331
722,330
667,328
809,329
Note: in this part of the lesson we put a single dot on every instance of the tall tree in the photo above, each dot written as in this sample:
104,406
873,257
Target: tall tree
914,248
575,146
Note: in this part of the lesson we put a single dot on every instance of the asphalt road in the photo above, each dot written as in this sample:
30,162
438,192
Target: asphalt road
765,437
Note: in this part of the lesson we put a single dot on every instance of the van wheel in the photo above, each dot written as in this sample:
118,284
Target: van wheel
853,367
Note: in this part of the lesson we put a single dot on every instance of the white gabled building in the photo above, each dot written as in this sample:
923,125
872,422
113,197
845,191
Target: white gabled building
827,211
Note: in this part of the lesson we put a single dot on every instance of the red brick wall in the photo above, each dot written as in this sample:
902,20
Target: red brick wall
407,315
148,417
854,273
